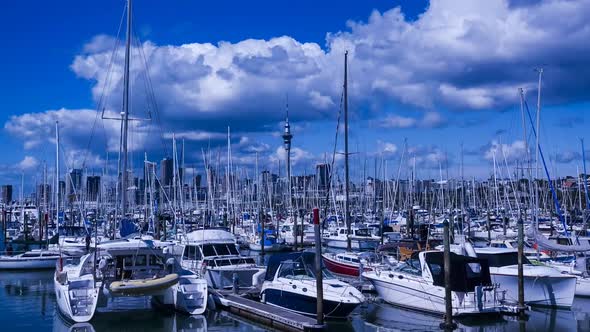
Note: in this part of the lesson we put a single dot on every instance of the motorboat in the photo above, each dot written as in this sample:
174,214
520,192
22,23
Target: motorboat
271,243
360,239
213,253
578,269
122,268
290,283
287,232
31,260
418,284
349,263
543,285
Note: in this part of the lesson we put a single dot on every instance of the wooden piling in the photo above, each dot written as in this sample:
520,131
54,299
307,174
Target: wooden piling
448,324
318,268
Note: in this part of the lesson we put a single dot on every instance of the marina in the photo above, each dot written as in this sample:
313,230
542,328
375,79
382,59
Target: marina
185,200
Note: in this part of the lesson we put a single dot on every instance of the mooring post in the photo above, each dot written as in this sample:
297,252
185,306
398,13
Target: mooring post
489,226
521,306
262,236
448,324
318,268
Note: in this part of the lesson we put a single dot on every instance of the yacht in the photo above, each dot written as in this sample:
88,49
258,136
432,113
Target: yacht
360,239
31,260
543,285
349,263
122,268
290,283
418,284
213,253
308,234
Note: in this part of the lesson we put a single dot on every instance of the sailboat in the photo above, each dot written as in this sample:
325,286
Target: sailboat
129,267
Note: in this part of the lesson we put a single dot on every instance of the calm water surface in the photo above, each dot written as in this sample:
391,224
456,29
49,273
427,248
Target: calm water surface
27,303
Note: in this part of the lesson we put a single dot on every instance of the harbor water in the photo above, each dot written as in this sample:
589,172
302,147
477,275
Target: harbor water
27,303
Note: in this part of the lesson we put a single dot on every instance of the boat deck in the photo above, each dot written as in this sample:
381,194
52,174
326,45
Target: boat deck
271,316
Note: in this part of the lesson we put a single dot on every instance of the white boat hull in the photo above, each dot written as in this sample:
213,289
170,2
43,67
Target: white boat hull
27,263
421,296
188,296
77,305
555,291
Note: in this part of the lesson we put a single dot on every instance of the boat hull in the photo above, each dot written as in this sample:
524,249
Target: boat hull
306,305
342,268
554,291
421,296
43,263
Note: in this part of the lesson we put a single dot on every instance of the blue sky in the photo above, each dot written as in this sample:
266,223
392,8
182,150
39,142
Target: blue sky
441,74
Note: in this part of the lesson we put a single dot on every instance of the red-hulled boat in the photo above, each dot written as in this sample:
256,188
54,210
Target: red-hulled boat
348,263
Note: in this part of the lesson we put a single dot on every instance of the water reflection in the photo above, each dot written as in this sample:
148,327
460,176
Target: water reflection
135,321
383,317
27,303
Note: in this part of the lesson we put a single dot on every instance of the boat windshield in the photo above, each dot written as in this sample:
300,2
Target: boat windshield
220,249
299,270
408,268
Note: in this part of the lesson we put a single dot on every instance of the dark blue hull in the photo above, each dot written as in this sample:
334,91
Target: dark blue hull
307,305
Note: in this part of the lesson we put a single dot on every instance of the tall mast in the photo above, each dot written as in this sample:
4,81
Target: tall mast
537,147
57,176
346,173
126,113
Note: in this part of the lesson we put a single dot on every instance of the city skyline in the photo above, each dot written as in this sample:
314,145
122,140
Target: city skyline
453,98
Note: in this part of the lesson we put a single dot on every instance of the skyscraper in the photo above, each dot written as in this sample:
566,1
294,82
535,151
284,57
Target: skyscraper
322,176
7,194
92,188
166,167
74,182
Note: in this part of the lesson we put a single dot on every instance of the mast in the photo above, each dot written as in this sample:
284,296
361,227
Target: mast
125,124
346,171
537,148
57,176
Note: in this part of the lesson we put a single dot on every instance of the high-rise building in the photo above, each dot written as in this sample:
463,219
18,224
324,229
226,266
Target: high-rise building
167,168
74,183
92,188
322,175
43,195
197,180
7,194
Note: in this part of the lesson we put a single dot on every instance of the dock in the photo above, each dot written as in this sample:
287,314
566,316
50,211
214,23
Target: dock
274,317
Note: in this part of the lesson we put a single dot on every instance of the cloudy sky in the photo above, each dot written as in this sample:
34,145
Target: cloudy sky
442,76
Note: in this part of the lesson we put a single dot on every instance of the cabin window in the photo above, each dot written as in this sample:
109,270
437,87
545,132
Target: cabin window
222,250
233,249
341,231
473,270
362,232
208,250
192,253
564,241
140,260
31,255
127,261
435,269
355,260
155,260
